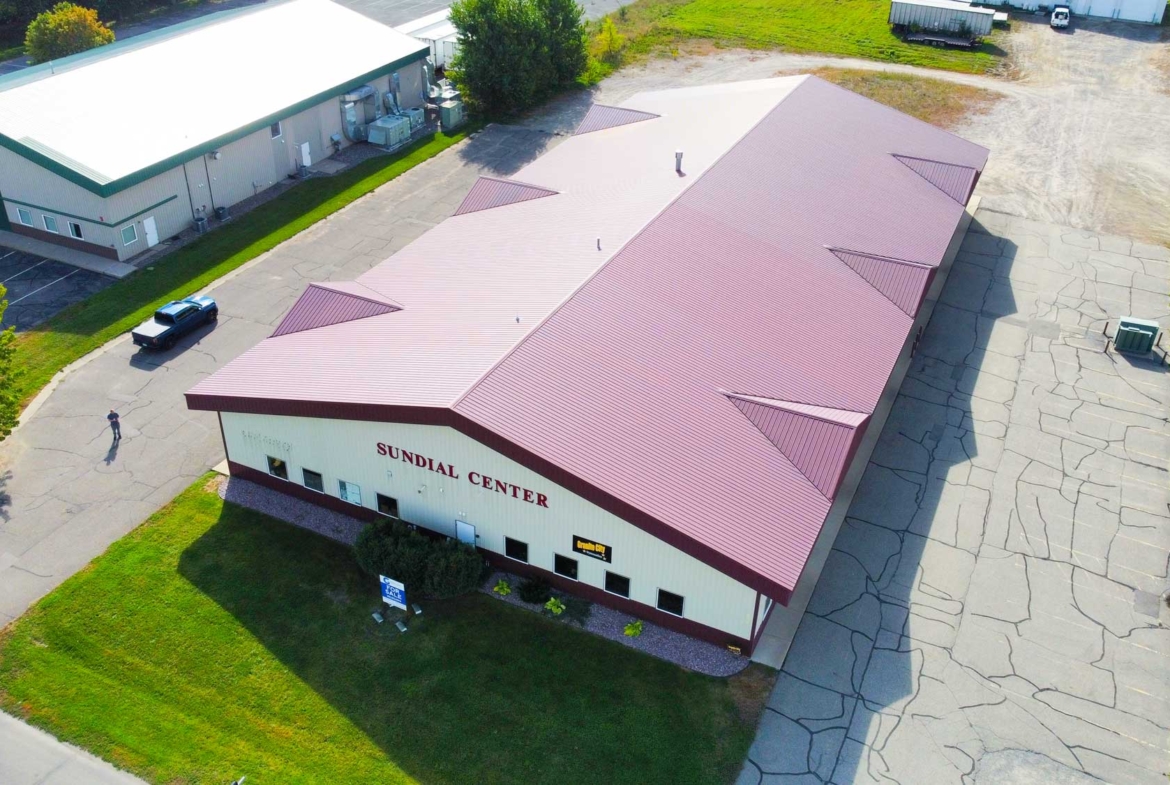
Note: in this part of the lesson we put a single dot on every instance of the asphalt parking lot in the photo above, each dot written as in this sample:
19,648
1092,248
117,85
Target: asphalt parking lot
39,287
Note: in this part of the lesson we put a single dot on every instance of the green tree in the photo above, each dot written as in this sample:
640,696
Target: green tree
609,43
515,53
63,30
9,399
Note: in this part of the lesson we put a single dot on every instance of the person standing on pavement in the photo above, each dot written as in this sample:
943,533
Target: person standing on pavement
115,426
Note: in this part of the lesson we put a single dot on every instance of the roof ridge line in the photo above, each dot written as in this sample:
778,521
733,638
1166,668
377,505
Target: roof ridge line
616,253
510,181
909,263
932,161
386,301
872,285
758,398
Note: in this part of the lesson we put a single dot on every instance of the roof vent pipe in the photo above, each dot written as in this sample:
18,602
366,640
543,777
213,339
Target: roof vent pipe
678,161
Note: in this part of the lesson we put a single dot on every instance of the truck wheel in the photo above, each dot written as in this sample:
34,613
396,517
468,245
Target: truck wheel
169,343
212,315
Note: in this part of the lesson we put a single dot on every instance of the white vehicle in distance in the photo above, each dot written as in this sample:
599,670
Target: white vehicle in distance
1060,16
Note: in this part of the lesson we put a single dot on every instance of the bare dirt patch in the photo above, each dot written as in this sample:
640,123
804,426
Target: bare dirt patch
750,690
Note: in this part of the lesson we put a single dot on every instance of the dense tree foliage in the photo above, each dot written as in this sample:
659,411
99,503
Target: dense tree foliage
9,399
427,567
515,53
64,30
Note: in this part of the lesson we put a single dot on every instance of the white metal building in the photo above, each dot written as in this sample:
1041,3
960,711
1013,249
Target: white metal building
1123,10
114,149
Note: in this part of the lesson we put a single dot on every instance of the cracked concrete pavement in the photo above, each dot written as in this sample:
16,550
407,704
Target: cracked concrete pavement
67,490
991,609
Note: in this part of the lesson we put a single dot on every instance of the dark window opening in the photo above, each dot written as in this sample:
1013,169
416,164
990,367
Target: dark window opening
565,566
388,506
275,130
277,468
313,480
514,549
617,584
671,603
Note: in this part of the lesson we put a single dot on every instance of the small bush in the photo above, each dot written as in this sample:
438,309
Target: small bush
554,606
578,610
634,629
534,590
452,568
502,588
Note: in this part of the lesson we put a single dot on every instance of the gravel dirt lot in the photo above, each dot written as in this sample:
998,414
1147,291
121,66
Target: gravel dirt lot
1079,138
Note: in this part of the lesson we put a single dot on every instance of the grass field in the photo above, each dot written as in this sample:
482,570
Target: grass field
851,28
213,642
80,329
935,101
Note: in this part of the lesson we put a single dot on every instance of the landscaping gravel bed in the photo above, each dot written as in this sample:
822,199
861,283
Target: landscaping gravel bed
331,524
682,650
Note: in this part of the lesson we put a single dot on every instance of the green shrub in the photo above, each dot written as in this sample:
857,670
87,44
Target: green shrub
554,606
64,30
578,609
452,568
393,549
535,590
502,588
634,629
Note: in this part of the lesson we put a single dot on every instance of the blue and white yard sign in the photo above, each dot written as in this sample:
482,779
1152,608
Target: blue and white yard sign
393,592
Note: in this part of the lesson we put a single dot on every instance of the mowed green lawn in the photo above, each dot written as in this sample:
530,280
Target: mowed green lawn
213,642
853,28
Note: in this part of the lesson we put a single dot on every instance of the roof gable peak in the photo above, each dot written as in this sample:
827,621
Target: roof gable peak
902,282
323,304
600,117
955,180
489,192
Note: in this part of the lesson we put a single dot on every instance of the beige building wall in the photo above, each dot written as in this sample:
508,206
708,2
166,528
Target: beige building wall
347,450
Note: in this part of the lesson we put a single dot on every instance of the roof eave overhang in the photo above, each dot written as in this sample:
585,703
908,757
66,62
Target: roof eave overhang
443,416
111,187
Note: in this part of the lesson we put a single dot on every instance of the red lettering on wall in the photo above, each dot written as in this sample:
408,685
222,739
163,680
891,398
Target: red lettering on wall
407,457
475,478
501,486
541,500
527,495
471,477
381,449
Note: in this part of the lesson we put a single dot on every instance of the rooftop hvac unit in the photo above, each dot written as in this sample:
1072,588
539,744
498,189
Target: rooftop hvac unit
1135,336
417,117
390,131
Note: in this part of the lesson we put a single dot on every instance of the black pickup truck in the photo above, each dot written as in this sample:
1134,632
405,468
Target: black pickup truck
174,320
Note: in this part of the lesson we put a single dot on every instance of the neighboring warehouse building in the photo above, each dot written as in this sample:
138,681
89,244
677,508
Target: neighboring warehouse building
656,383
114,149
1122,10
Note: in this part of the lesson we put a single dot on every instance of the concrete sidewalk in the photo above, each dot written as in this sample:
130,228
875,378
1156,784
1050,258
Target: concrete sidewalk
32,757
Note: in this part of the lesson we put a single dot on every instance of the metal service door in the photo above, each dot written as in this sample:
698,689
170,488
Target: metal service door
465,532
151,231
306,159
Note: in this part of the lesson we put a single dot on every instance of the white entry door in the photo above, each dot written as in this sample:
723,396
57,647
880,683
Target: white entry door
465,532
151,231
306,160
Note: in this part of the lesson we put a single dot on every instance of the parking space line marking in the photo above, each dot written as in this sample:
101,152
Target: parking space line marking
46,286
5,256
25,270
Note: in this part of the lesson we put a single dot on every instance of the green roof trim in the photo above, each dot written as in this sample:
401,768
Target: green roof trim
97,221
122,183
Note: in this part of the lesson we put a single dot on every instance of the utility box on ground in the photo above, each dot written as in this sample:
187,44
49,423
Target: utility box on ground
1136,336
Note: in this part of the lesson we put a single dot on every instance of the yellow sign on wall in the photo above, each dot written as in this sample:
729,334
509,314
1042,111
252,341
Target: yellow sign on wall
593,549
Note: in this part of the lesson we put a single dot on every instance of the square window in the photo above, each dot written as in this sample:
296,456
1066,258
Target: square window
75,230
313,480
350,492
671,603
277,468
388,505
25,216
617,584
129,234
275,130
50,224
514,549
565,566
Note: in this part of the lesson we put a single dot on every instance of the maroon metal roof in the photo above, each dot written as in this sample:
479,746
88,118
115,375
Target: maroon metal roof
600,117
489,192
954,180
323,304
903,283
817,440
589,335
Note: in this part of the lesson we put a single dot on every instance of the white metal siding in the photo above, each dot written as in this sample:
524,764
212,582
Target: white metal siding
346,450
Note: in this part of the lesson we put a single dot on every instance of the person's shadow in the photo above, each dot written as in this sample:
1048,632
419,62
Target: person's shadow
113,451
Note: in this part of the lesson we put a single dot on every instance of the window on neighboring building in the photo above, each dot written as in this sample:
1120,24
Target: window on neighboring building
75,230
669,602
313,480
50,224
24,215
617,584
129,234
350,492
563,565
275,129
514,549
277,468
388,505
